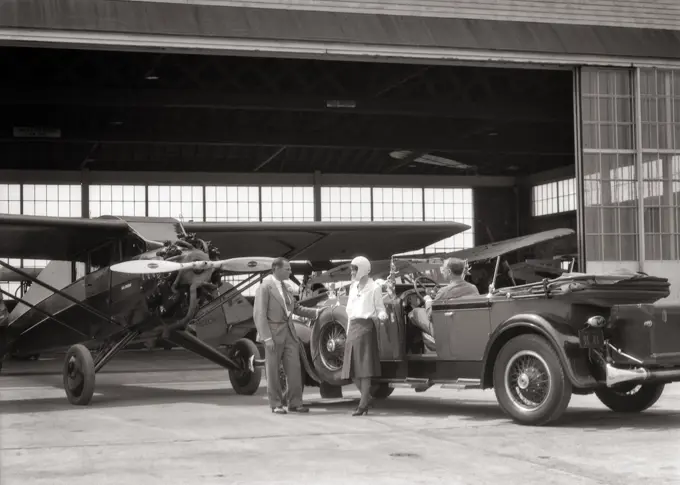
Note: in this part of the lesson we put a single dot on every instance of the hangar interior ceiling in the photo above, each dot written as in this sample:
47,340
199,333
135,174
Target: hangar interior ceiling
128,111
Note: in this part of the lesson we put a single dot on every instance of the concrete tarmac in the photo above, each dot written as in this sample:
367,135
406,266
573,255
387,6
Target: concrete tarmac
167,417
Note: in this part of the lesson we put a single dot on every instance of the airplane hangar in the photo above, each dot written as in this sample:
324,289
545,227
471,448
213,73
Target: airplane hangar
502,115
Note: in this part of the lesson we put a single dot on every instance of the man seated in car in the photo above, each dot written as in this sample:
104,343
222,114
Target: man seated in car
453,269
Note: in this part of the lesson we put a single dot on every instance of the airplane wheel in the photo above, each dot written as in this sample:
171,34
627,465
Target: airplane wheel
529,381
244,381
79,375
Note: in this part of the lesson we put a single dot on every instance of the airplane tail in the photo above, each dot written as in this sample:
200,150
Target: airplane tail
56,273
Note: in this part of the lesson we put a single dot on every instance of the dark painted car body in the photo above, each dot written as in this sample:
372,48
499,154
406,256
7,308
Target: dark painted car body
590,333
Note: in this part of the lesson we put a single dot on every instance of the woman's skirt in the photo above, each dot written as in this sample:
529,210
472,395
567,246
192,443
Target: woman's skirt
362,354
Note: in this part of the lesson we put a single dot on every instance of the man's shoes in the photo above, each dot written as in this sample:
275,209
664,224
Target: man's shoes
278,410
299,409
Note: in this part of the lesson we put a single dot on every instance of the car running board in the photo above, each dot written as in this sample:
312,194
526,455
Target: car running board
462,384
421,385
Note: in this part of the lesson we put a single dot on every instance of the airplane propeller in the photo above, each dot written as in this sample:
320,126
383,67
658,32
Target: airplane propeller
237,265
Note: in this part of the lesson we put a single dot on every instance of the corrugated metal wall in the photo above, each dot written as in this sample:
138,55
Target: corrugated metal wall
660,14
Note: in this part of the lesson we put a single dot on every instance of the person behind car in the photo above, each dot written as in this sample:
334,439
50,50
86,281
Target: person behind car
362,354
453,270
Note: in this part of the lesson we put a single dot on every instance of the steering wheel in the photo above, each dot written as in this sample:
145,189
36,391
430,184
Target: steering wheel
417,284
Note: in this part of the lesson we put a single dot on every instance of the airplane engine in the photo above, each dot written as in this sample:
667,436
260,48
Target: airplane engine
175,297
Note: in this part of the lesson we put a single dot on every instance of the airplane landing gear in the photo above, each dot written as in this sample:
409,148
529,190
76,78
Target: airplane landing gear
80,368
79,375
246,380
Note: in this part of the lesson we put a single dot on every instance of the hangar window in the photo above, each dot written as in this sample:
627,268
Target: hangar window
397,204
117,200
52,200
450,204
184,203
554,197
232,203
10,199
10,203
287,203
11,286
345,203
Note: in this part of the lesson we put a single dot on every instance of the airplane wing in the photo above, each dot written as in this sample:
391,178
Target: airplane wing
54,238
8,275
322,241
500,248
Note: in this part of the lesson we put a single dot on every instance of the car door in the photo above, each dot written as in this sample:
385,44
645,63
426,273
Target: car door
462,328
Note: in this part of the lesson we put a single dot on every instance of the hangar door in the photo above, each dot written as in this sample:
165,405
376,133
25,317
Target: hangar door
630,138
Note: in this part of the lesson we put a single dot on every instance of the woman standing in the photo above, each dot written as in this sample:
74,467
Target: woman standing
362,354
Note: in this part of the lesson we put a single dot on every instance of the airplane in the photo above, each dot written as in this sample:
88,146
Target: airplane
151,277
431,262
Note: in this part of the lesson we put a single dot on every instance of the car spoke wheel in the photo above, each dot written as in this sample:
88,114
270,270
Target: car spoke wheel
529,381
332,346
327,345
630,398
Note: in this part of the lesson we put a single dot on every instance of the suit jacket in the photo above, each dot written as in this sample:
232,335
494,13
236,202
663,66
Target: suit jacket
270,308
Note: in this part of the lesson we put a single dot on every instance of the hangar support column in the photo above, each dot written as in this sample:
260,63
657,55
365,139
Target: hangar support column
85,192
317,195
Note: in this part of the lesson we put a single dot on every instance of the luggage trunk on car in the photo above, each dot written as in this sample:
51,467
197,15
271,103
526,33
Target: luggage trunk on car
648,332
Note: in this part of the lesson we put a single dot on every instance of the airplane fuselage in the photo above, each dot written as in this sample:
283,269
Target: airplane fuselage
120,296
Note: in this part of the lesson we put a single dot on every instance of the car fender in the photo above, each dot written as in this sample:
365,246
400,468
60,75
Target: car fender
557,331
304,334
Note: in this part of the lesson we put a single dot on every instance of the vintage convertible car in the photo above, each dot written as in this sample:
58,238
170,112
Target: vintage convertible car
534,344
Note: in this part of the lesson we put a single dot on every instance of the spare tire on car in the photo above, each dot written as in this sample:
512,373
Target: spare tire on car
327,344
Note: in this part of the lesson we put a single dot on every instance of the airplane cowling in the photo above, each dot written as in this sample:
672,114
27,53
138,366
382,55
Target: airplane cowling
176,297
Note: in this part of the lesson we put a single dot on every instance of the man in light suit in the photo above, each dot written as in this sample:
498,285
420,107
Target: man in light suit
272,311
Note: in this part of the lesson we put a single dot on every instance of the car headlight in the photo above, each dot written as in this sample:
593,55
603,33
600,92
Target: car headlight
596,321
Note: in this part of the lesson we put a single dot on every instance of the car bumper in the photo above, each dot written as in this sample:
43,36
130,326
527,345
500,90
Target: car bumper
616,375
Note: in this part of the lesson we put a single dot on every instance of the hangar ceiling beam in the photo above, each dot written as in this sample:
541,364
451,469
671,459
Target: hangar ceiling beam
161,177
443,107
190,127
419,142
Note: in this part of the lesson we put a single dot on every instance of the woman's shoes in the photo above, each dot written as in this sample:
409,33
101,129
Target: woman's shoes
360,411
